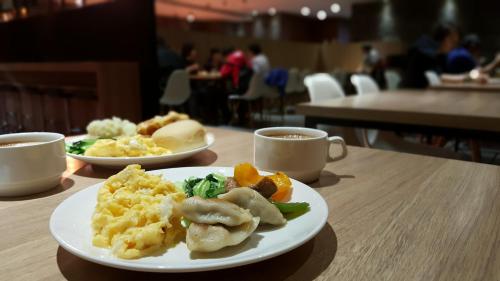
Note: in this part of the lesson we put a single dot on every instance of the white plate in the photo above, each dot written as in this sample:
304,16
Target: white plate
70,224
120,162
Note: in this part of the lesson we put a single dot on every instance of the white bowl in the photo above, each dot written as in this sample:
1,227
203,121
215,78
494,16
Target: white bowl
32,168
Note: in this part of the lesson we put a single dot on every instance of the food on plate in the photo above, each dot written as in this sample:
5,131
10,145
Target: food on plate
259,206
247,175
150,126
80,147
266,187
125,147
138,214
135,214
181,136
284,186
214,211
292,207
208,187
210,238
110,128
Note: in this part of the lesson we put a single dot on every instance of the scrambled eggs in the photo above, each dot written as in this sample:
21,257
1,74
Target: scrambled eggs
135,214
126,147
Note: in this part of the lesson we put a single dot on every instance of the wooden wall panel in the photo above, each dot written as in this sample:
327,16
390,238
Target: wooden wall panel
32,111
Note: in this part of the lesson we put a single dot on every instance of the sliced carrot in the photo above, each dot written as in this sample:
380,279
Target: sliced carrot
284,185
245,174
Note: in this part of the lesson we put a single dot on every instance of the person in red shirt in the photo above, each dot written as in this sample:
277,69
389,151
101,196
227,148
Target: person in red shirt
235,62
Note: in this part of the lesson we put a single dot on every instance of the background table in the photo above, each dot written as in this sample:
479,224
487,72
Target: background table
448,113
392,216
492,87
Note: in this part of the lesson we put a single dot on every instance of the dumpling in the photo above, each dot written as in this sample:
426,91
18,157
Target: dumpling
210,238
213,211
250,199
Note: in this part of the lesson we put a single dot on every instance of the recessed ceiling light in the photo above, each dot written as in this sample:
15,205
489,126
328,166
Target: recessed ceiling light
255,13
335,8
190,18
321,15
305,11
272,11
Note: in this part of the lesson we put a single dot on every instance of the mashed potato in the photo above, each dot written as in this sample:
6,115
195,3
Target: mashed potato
110,128
135,216
126,147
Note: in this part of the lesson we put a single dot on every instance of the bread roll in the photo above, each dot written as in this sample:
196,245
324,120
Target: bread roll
180,136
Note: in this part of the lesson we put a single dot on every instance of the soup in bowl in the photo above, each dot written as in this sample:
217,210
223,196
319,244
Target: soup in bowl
30,162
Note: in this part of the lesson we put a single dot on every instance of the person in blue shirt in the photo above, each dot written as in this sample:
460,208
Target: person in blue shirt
463,59
462,62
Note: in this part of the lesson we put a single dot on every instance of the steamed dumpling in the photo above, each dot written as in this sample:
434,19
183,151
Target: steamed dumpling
250,199
209,238
213,211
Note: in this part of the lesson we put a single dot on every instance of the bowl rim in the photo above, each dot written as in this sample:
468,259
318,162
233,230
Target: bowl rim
3,138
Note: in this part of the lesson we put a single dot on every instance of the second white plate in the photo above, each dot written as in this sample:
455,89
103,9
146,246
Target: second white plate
120,162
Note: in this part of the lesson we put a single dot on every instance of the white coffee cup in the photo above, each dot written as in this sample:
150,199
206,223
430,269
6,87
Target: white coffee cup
300,158
34,165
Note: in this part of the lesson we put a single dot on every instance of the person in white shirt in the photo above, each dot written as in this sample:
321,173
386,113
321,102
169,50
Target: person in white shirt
258,60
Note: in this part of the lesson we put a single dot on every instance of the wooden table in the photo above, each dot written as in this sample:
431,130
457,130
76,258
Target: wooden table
448,113
493,87
392,216
206,77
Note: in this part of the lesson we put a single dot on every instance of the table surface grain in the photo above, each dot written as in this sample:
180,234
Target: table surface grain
492,87
448,109
392,216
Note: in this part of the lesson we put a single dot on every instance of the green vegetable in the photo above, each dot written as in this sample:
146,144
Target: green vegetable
209,187
293,209
189,184
80,147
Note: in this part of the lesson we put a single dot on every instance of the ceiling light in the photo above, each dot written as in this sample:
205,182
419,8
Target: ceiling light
255,13
335,8
321,15
190,18
272,11
305,11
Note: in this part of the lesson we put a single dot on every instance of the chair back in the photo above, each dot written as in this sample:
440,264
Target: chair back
432,78
322,86
177,90
364,84
393,78
256,87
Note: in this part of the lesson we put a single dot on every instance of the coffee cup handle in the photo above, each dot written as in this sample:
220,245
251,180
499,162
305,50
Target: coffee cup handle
338,140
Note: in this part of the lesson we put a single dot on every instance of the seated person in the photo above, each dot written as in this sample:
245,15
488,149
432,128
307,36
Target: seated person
189,55
215,60
258,60
373,64
429,53
234,63
463,62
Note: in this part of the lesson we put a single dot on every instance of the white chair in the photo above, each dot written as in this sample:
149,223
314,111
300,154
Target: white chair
393,78
177,91
257,88
432,78
365,85
322,86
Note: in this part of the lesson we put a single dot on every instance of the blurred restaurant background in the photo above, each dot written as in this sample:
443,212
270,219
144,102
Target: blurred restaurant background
246,64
